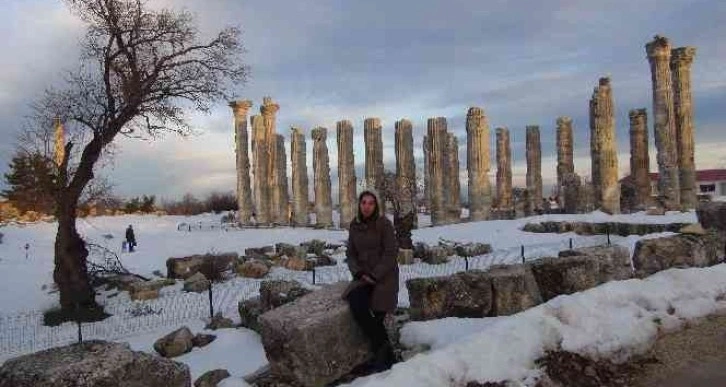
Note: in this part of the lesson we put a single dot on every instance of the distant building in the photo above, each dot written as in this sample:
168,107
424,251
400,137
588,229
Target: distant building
709,182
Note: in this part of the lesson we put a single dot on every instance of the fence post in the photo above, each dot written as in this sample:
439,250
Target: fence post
466,259
78,322
607,231
570,243
313,275
522,253
211,306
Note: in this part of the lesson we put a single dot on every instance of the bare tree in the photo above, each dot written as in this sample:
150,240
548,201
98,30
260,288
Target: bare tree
140,69
400,192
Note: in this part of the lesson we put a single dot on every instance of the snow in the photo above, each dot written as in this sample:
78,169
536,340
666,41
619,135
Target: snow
505,346
616,320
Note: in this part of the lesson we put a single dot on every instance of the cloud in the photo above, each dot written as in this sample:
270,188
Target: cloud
327,60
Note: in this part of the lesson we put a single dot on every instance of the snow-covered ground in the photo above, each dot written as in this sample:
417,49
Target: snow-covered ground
26,275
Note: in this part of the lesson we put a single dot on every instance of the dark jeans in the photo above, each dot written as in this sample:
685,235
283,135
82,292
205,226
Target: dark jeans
370,322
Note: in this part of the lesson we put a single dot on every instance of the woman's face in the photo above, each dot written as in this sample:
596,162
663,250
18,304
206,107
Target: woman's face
367,205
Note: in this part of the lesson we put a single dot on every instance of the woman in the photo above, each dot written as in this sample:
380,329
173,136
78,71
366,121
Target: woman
372,259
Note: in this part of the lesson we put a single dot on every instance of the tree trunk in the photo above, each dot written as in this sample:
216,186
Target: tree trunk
70,274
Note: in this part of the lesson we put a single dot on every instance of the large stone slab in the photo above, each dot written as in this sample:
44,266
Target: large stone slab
677,251
565,275
467,294
614,263
314,340
712,215
276,293
93,364
207,264
514,289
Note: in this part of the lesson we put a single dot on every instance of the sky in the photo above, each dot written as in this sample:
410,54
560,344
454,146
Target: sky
524,63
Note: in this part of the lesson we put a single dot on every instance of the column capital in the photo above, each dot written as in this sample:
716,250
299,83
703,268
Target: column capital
658,48
563,120
635,113
403,124
240,107
268,107
683,55
319,133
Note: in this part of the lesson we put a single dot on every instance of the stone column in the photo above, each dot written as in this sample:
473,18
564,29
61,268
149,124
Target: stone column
437,141
681,61
405,166
298,158
639,159
346,174
244,189
534,169
269,111
477,163
426,178
565,156
59,151
262,171
504,172
282,199
321,170
604,148
373,137
664,125
452,184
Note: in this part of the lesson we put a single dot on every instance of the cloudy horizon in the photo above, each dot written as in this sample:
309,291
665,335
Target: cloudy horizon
324,61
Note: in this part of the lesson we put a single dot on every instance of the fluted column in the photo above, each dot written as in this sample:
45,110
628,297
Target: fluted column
426,170
269,111
437,143
639,159
244,189
346,173
373,138
534,169
664,125
565,156
321,170
604,148
282,199
262,170
298,158
504,171
477,162
405,166
681,61
452,184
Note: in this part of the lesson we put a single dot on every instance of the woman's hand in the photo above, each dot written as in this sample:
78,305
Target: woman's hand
368,279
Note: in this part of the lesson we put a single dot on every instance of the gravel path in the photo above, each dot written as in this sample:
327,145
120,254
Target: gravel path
695,356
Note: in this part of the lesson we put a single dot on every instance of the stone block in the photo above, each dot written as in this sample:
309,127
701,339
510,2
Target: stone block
467,294
274,294
93,363
175,343
514,289
249,311
313,341
252,269
614,262
211,378
565,275
209,264
405,256
677,251
712,215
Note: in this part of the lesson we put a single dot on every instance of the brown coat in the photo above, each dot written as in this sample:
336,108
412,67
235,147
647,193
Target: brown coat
373,250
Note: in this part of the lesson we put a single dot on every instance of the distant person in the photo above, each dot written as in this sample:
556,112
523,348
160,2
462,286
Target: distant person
130,238
372,259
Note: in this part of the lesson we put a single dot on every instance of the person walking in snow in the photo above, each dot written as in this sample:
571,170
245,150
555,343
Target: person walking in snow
372,259
130,239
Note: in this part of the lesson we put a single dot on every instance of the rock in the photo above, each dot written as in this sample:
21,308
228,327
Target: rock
197,283
146,294
405,256
256,253
693,229
274,294
323,260
175,343
286,249
209,264
315,246
614,263
93,363
219,322
514,289
566,275
313,341
419,250
296,263
655,211
467,294
249,312
202,340
473,249
436,255
677,251
712,215
252,269
535,227
211,378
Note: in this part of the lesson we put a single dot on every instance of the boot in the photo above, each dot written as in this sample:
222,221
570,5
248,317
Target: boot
384,358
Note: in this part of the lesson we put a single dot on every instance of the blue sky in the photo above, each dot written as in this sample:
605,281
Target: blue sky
524,63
